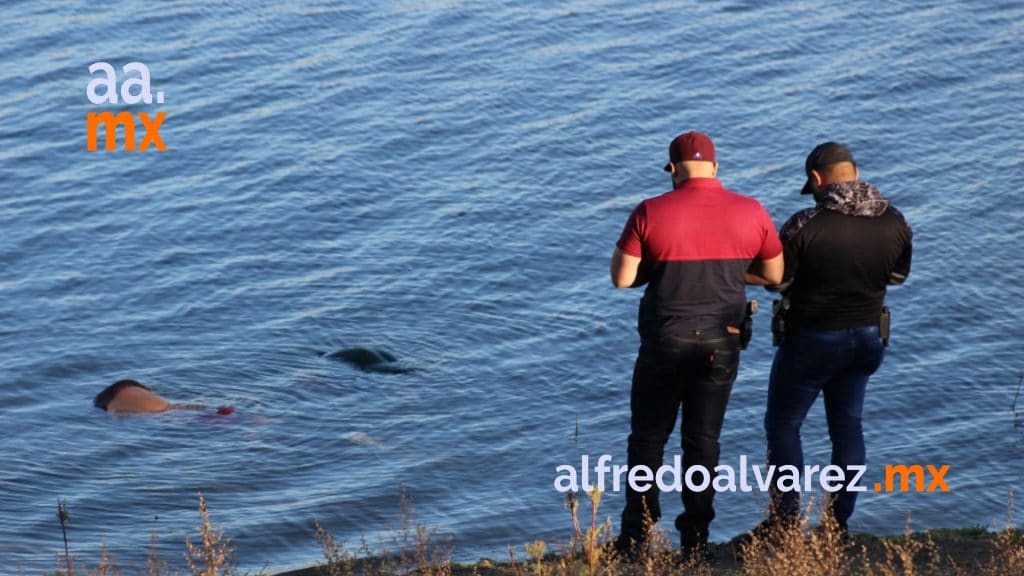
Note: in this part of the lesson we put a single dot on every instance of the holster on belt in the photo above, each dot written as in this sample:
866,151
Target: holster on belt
747,328
883,325
779,309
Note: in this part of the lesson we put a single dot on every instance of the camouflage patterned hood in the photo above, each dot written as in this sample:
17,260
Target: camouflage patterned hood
854,199
850,198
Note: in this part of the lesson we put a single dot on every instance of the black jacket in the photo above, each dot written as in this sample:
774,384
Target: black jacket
840,255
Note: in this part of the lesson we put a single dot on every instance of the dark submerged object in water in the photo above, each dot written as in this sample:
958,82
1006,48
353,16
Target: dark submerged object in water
369,360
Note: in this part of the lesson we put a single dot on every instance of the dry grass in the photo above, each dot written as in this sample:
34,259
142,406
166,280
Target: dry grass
338,560
1007,557
212,556
107,566
795,551
412,550
589,551
908,556
417,551
155,566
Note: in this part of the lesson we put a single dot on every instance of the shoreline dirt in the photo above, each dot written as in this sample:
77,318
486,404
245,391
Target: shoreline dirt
968,548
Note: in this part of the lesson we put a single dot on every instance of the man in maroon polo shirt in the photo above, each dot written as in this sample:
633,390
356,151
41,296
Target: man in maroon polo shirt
695,248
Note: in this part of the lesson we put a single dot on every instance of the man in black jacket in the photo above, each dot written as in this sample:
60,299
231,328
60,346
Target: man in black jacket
839,257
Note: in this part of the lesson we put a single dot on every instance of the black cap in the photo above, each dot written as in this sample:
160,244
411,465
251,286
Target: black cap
825,155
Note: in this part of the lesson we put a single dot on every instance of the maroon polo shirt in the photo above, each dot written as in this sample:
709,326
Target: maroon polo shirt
696,243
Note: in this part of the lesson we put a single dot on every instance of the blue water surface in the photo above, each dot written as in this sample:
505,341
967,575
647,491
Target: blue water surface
445,181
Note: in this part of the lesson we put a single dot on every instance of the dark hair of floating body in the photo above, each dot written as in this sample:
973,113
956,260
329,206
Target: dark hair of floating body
103,398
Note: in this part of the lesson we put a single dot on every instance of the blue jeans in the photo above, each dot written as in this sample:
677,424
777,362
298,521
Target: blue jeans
695,372
837,363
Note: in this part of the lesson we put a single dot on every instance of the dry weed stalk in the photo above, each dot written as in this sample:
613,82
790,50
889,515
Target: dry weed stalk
1008,554
513,564
155,566
590,541
1007,557
416,550
661,558
657,557
908,556
412,550
535,550
63,516
791,550
212,556
338,561
107,566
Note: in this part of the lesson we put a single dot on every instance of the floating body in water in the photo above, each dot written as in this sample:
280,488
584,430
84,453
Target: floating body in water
369,360
130,396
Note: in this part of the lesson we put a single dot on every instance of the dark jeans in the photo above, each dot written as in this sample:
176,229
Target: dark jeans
697,372
837,363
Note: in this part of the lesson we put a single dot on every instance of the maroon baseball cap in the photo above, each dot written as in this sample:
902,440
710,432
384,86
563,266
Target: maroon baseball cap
690,147
825,155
